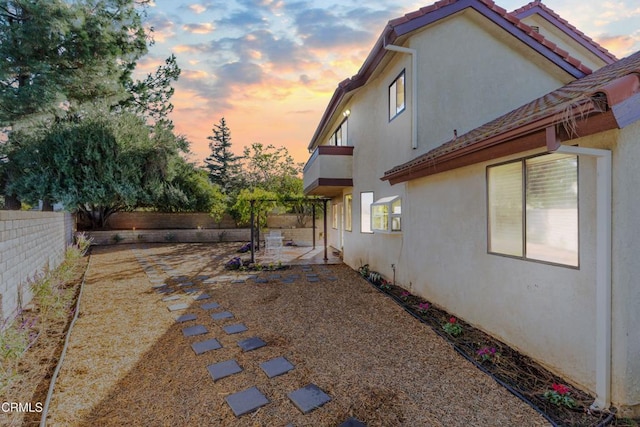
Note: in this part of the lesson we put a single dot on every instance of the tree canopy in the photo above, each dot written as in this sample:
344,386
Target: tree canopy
224,167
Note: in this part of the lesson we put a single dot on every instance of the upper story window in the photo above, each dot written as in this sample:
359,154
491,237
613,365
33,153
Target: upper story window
386,215
339,137
533,209
397,96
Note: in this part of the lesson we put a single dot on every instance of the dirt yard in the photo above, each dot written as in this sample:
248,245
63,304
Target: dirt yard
128,362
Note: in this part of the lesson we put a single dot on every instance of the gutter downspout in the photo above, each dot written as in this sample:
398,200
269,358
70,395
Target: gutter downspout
414,89
603,266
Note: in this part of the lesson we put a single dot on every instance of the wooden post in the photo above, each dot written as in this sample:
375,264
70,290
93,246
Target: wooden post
313,226
326,258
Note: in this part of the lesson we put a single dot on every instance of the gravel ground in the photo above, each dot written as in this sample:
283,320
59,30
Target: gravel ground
128,362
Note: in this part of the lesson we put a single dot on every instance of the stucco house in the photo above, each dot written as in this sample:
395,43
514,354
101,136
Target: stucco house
488,161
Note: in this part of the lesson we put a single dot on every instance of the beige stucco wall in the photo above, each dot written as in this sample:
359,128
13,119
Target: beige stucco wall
575,49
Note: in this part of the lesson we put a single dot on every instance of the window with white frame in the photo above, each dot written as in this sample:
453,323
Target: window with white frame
348,211
533,209
397,96
339,137
366,198
386,215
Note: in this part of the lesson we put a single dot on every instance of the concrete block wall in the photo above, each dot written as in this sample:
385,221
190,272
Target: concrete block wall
30,242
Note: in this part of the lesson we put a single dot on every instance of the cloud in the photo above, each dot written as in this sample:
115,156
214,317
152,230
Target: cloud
197,8
620,45
320,28
204,28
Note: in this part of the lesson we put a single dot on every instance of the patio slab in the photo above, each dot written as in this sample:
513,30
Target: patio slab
246,401
277,366
223,369
186,318
309,398
210,306
202,297
204,346
171,298
251,344
235,328
176,307
192,331
353,422
222,315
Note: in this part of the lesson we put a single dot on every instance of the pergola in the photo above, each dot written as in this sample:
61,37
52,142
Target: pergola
314,202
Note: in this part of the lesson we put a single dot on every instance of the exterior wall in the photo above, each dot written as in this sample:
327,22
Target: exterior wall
30,242
575,49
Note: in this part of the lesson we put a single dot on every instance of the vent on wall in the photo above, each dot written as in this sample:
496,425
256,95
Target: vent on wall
535,28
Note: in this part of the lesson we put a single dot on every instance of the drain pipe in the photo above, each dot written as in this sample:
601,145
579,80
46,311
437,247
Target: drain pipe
603,266
414,88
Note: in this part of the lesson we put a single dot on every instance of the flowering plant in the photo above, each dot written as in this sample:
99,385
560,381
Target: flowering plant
405,295
452,327
487,353
560,395
234,264
385,285
423,307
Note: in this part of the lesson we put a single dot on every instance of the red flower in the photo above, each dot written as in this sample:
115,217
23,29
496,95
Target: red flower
561,388
452,320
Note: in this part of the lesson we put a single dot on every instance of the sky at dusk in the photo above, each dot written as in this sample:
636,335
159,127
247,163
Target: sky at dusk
269,67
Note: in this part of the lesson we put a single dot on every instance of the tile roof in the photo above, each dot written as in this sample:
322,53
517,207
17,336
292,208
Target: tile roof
574,98
427,15
549,14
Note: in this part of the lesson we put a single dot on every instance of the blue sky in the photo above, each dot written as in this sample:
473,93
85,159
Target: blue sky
270,66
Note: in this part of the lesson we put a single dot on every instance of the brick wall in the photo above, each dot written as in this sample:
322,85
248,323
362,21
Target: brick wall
29,243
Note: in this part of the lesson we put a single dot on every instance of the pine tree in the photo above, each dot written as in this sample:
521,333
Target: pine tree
223,166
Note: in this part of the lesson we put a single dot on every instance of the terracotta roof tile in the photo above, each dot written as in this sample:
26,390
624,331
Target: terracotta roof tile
552,104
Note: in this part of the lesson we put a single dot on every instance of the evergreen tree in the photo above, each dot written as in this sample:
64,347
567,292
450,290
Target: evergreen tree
223,166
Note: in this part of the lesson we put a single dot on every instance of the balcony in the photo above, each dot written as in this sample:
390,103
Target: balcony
328,171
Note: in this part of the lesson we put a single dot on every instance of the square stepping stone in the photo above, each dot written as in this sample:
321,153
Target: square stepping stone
191,290
261,280
164,290
235,328
237,281
277,366
223,369
176,307
192,331
185,284
202,297
353,422
222,315
186,318
252,343
204,346
313,279
246,401
210,306
171,298
159,285
308,398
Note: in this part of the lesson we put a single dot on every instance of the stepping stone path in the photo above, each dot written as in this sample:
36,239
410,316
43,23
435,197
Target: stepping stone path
166,279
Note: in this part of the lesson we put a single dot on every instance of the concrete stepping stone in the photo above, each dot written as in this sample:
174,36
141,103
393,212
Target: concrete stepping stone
159,285
223,369
186,318
191,290
164,290
261,280
185,284
353,422
171,298
176,307
238,281
251,344
192,331
277,366
235,328
246,401
222,315
313,279
210,306
202,297
308,398
204,346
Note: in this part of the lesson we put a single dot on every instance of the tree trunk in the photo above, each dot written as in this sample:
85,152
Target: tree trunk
12,203
47,206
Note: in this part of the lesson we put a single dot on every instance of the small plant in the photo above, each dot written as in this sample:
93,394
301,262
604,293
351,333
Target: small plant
245,248
405,295
423,307
221,236
560,396
364,271
385,285
117,238
452,327
487,354
170,237
140,236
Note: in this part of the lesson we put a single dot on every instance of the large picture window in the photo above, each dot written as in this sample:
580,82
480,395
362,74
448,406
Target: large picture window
366,199
533,209
339,137
397,96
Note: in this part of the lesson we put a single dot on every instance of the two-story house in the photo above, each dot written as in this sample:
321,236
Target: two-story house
488,161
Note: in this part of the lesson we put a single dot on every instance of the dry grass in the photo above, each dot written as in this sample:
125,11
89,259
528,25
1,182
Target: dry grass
128,362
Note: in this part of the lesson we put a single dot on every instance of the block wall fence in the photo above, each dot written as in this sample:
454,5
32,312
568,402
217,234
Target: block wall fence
30,242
